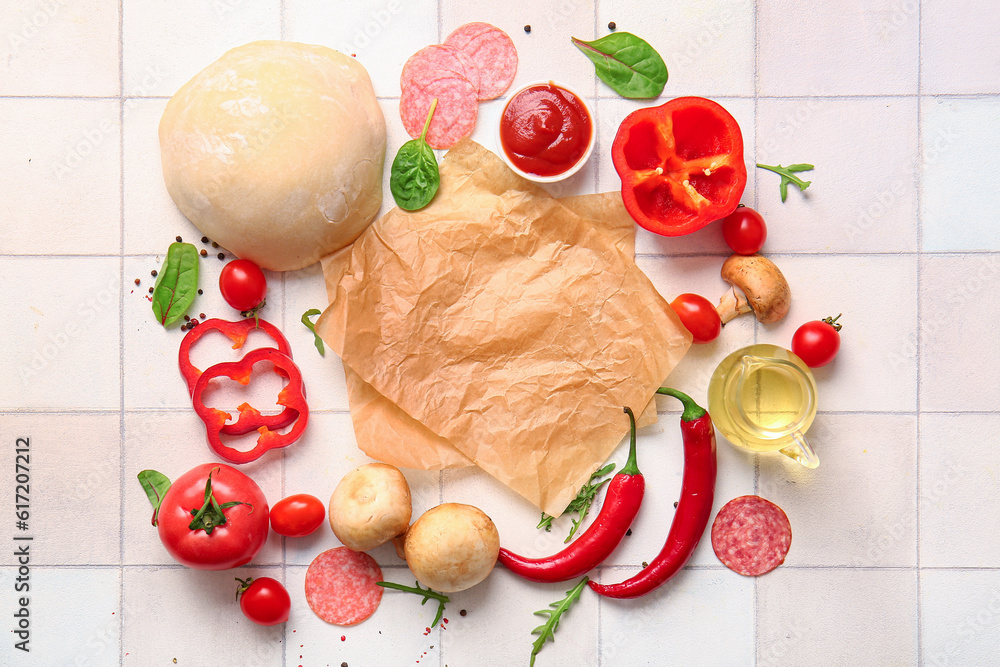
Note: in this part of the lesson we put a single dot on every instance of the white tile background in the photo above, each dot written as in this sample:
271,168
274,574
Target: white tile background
894,559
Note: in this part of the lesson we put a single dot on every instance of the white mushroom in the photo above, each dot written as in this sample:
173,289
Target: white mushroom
452,547
757,285
370,506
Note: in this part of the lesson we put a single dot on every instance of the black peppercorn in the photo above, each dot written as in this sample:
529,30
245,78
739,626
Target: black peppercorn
527,28
204,239
153,273
150,290
222,255
179,239
612,26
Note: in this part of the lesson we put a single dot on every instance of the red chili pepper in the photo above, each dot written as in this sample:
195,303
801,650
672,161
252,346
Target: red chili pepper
693,510
292,395
250,419
681,165
621,504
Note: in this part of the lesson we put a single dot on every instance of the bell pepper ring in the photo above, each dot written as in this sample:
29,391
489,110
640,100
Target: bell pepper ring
250,419
292,395
681,165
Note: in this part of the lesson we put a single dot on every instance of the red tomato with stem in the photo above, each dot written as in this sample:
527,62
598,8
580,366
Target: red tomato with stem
264,600
243,285
298,515
744,230
220,539
817,342
699,316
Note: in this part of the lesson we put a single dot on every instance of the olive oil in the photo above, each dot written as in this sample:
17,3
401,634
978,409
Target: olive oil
762,398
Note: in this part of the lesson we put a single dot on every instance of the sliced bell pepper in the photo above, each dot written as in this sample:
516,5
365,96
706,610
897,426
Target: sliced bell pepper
681,165
250,419
292,396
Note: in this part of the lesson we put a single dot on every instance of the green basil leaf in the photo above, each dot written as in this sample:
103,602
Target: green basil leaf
414,178
627,63
155,484
176,283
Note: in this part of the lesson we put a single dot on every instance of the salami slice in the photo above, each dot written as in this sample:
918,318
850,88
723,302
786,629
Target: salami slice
751,535
438,62
455,114
341,588
493,52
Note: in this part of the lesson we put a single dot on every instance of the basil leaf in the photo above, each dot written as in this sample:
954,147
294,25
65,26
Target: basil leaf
414,178
155,484
627,63
176,283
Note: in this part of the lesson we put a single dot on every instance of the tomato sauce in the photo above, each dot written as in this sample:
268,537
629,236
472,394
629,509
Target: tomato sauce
545,130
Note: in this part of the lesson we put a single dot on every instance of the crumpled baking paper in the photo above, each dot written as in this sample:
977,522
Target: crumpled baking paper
508,328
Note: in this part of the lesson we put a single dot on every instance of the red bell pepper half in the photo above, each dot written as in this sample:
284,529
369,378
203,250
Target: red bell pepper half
681,165
292,396
250,419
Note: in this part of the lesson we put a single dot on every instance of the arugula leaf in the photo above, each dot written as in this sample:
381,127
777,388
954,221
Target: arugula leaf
313,312
176,283
788,176
547,631
426,592
581,504
414,178
627,63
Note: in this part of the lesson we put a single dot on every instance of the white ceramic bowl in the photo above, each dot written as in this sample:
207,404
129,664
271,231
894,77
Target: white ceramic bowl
579,163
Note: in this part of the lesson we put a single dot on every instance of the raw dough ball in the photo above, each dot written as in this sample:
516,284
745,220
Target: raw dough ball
275,151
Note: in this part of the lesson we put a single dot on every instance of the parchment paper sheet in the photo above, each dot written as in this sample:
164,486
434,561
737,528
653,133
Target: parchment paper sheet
511,326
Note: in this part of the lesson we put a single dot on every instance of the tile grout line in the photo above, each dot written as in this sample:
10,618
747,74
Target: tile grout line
919,306
597,181
756,194
440,475
639,255
597,95
282,32
121,329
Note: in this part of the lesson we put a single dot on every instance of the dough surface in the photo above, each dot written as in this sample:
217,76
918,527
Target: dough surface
276,152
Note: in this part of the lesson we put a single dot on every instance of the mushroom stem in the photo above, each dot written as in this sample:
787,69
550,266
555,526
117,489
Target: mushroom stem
732,304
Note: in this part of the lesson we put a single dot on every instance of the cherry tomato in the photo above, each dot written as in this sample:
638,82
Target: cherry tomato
230,544
699,316
264,600
744,231
298,515
242,284
817,342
